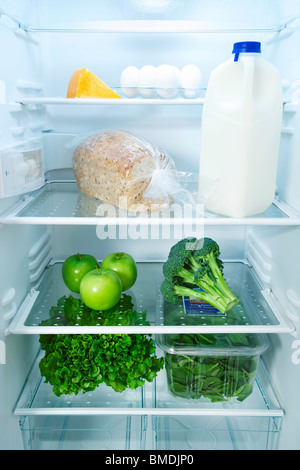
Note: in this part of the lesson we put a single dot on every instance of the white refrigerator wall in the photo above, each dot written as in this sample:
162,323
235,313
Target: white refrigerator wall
283,360
41,63
20,72
16,351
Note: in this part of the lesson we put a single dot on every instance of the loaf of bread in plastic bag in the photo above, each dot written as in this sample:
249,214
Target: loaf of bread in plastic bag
122,169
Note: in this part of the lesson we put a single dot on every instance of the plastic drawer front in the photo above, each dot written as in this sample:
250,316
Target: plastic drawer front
83,432
216,432
148,418
184,433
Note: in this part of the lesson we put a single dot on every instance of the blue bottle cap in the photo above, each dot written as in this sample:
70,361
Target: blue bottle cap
245,46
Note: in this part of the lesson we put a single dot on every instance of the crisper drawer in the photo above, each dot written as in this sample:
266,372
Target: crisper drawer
216,432
83,432
199,424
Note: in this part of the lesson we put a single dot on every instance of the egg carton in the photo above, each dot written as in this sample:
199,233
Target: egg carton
165,81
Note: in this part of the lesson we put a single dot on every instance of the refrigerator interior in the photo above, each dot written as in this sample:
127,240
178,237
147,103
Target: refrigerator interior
44,219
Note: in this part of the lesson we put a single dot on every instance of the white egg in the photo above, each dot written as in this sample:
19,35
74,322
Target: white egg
147,81
129,81
167,81
190,80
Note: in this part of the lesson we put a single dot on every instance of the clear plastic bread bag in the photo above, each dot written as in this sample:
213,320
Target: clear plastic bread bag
120,168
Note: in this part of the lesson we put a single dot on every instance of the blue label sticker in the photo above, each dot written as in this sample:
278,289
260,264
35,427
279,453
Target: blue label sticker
193,306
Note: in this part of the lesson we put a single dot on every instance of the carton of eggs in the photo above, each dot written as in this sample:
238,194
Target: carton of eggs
165,81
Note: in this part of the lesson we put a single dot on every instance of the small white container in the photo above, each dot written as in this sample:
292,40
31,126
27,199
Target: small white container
241,126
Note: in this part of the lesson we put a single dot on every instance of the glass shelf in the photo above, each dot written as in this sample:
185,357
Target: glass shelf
176,93
258,311
61,203
153,398
180,96
136,16
157,26
37,397
261,402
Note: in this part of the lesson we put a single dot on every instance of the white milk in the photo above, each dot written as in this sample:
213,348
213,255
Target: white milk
241,126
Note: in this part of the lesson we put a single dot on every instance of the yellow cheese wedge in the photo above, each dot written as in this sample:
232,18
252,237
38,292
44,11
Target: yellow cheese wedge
84,84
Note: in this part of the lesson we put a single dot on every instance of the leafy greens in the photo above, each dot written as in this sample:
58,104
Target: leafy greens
80,362
217,377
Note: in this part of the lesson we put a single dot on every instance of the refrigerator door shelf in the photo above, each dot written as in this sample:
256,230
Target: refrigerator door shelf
21,169
61,203
257,312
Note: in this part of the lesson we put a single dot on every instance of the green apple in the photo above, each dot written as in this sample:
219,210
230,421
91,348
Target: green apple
124,265
101,289
75,267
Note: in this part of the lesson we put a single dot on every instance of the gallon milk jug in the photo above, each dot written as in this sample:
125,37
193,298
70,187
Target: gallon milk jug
240,135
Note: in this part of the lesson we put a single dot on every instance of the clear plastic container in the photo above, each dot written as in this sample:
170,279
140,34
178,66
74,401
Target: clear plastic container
64,432
218,367
186,433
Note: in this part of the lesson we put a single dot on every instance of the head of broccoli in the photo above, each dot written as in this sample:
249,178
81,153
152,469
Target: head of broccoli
195,264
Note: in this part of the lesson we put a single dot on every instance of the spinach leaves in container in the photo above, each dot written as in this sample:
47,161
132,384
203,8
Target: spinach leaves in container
218,367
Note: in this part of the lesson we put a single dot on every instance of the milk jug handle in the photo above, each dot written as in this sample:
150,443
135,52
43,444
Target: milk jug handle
247,92
246,47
